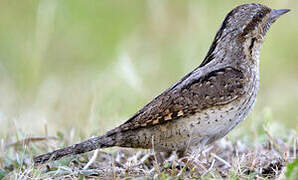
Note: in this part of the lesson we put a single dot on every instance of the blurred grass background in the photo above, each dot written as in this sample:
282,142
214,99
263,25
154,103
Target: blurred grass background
84,67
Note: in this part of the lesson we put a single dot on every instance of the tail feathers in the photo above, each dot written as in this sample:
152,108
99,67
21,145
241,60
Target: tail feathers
85,146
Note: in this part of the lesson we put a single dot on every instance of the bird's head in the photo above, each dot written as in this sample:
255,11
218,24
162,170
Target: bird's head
242,32
251,20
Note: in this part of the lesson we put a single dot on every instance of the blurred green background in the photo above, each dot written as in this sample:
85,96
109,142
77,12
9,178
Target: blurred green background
84,67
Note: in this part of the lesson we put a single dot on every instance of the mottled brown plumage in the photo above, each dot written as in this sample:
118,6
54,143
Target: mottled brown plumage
205,104
213,89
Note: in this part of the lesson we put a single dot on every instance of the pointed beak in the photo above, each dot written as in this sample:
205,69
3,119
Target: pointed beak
275,13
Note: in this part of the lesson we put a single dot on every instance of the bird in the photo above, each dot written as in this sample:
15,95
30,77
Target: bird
204,105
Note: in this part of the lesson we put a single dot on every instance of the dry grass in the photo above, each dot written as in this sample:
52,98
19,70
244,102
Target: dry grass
223,159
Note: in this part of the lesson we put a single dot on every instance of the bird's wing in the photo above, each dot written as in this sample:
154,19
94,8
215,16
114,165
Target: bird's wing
189,96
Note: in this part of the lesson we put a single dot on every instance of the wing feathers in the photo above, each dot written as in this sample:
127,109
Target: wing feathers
216,88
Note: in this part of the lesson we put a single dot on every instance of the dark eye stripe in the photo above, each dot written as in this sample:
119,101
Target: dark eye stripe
255,20
252,45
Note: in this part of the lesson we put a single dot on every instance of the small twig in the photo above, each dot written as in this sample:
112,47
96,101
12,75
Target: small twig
221,160
154,155
271,140
207,150
93,158
26,141
209,170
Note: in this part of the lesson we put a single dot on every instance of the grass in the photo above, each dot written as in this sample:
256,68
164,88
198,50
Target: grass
276,158
70,70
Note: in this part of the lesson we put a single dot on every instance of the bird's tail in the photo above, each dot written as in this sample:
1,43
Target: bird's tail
85,146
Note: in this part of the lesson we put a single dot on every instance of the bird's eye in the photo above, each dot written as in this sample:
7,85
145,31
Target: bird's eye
260,14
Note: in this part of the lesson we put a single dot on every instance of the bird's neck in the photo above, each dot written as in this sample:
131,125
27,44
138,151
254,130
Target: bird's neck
230,50
251,50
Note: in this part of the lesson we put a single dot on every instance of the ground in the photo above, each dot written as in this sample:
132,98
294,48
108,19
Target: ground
274,159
